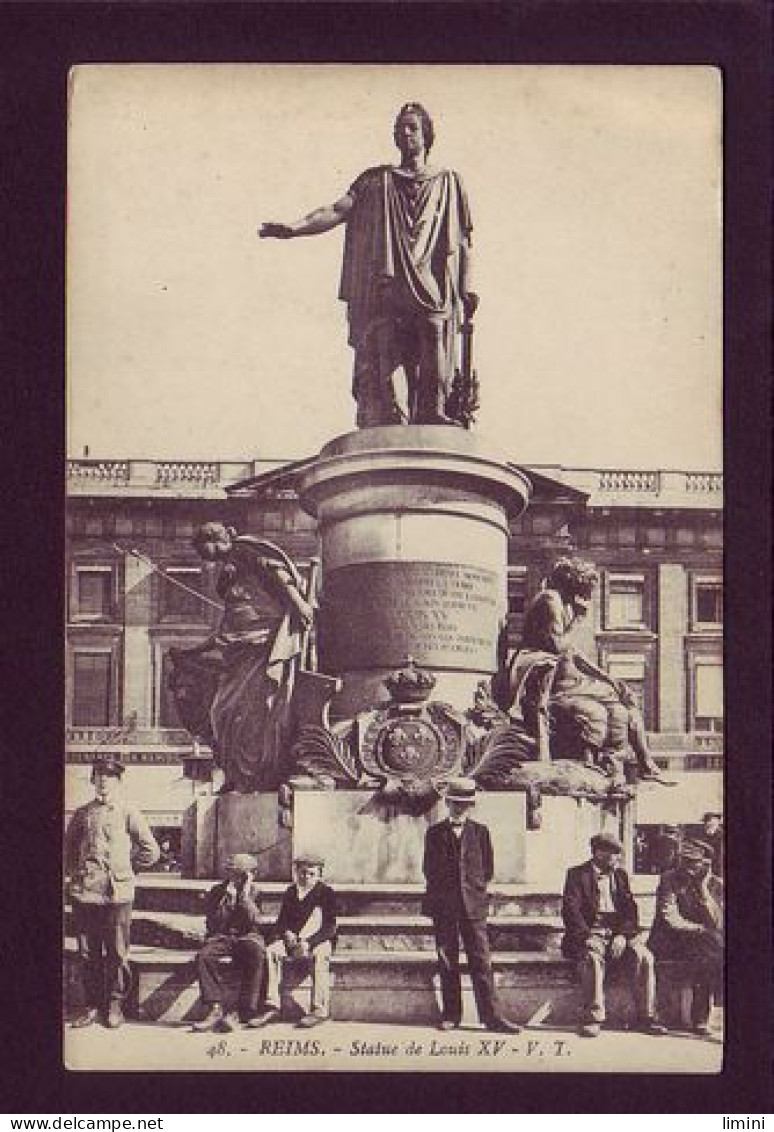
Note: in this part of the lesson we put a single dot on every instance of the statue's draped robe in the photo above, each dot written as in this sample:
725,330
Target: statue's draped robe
585,710
261,647
404,236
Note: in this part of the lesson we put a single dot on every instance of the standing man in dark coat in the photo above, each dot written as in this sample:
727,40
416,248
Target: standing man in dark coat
601,926
232,933
105,840
458,866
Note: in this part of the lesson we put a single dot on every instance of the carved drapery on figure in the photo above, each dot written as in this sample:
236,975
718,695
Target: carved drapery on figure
572,708
401,281
406,280
235,691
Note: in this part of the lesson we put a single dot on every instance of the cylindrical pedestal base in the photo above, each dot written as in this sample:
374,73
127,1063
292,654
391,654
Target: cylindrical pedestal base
413,525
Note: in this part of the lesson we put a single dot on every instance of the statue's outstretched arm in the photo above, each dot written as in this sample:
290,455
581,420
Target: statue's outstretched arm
321,220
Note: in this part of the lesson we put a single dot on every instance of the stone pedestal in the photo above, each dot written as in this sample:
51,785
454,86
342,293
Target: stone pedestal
413,525
214,827
366,840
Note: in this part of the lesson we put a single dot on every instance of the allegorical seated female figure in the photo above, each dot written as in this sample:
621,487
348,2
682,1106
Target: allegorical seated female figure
591,716
260,641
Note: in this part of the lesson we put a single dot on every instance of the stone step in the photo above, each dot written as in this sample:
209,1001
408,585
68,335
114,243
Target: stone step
392,987
180,895
356,933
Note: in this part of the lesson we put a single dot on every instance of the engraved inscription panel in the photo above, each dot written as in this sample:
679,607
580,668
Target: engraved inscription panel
376,614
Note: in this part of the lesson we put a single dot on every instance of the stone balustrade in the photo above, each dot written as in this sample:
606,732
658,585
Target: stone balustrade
629,481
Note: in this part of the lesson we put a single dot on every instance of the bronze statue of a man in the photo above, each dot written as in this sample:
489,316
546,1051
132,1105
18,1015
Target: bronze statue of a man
405,277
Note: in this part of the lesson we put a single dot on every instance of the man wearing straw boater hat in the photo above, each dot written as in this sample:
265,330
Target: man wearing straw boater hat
458,866
105,840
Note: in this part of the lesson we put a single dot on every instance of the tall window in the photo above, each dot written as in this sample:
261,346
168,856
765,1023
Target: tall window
517,603
708,696
177,600
625,601
707,602
167,713
630,667
93,593
91,689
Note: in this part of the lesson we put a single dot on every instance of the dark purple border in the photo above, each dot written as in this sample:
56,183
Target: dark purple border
39,43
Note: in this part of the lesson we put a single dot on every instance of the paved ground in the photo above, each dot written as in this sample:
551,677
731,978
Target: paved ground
372,1047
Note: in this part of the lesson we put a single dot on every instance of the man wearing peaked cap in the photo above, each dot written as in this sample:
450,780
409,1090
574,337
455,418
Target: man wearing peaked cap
458,866
233,932
305,932
601,923
688,925
104,841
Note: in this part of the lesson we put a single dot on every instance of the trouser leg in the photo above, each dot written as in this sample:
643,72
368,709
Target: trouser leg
476,942
591,971
643,975
250,956
89,928
706,978
447,942
431,394
320,962
275,954
209,968
118,975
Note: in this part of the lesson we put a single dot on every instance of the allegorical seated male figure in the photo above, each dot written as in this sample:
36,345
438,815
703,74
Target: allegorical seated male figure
405,276
233,932
688,925
601,924
305,933
591,716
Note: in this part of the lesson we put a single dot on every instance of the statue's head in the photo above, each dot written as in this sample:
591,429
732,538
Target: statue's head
415,110
213,541
573,579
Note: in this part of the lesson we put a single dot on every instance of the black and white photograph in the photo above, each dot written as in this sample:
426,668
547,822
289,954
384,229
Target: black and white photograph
394,698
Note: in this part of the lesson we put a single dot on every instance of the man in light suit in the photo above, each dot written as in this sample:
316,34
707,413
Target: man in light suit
458,866
601,927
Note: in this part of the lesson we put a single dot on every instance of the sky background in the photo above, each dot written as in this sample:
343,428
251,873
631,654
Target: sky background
595,194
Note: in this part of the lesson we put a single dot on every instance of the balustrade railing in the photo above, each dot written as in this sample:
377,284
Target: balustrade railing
199,472
629,481
98,471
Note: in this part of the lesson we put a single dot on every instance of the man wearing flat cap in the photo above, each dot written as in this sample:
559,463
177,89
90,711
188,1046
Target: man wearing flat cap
304,933
602,927
458,866
233,932
105,841
688,925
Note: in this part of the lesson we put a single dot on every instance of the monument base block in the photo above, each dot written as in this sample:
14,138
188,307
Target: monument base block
217,826
368,840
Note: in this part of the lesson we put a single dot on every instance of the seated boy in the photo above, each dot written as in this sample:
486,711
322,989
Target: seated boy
305,931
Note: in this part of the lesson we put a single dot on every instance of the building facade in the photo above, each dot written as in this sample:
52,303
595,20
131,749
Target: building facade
137,588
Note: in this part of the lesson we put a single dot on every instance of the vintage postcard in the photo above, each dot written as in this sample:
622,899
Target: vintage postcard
395,713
